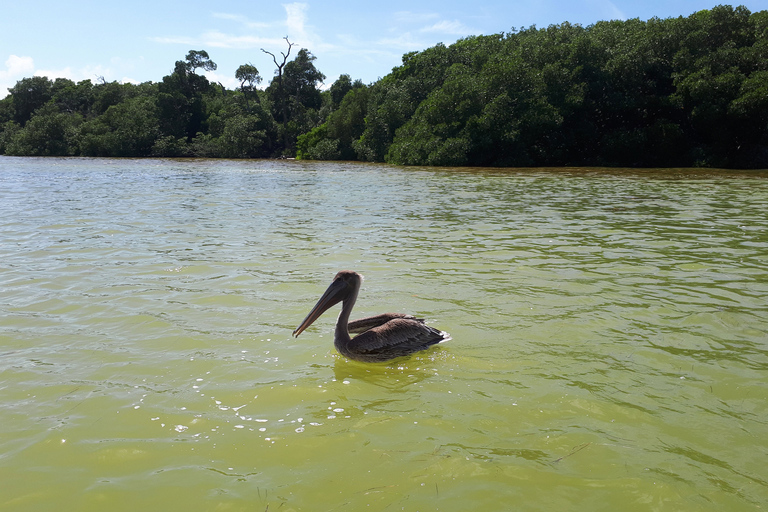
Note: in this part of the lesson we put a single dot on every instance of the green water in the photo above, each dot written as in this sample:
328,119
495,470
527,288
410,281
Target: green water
609,352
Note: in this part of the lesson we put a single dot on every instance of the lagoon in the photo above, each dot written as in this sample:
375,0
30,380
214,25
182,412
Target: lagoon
610,337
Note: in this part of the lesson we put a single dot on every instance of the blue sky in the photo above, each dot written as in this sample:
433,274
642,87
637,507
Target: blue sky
140,40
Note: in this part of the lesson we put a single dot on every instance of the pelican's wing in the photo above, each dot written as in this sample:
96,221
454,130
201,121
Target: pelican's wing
364,324
396,338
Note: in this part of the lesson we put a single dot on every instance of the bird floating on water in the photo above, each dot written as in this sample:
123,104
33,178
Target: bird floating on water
382,337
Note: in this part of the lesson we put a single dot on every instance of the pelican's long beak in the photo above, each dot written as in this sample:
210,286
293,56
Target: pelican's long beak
335,293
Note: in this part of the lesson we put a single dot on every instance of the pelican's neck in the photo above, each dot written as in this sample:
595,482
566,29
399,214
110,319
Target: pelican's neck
342,333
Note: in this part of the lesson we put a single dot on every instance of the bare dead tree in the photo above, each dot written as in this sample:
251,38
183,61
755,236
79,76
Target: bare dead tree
281,91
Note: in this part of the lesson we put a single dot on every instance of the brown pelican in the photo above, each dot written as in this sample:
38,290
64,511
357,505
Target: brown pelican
381,337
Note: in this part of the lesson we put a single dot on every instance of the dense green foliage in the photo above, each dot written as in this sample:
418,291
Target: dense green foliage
688,91
672,92
183,115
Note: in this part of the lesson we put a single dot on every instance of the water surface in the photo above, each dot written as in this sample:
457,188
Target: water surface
610,341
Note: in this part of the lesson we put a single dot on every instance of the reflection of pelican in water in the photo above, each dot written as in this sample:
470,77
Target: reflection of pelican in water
382,337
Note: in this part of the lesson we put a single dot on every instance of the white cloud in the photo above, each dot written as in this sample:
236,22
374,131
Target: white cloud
218,39
294,26
296,17
243,20
423,23
295,20
404,41
448,27
53,74
607,10
300,32
94,73
17,66
617,13
217,78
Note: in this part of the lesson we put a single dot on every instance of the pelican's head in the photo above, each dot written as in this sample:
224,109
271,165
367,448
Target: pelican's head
345,283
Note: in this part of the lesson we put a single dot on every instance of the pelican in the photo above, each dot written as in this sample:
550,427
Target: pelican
382,337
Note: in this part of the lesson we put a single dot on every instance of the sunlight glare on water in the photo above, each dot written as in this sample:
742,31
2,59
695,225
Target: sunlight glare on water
609,351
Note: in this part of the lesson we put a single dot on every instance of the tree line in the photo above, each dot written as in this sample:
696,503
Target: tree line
184,115
686,91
